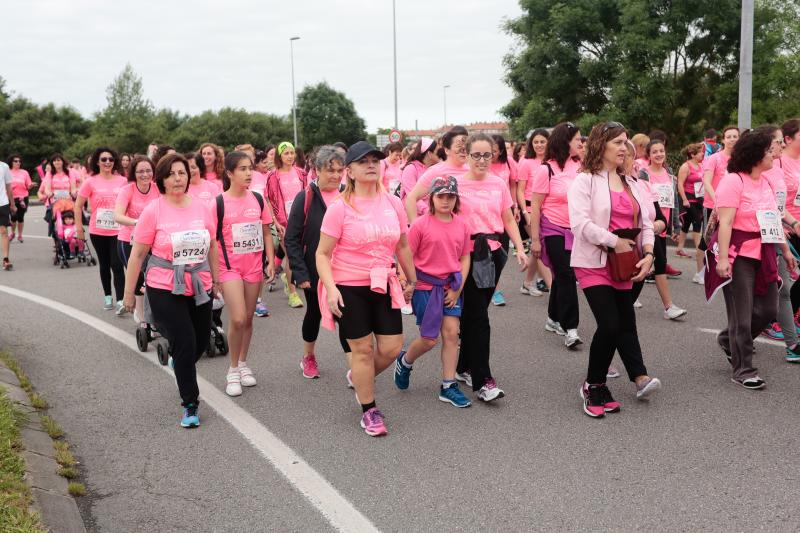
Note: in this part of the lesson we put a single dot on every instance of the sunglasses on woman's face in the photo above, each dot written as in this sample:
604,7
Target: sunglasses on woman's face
611,125
106,159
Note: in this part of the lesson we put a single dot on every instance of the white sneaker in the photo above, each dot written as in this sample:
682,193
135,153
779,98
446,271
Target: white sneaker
674,312
464,377
349,377
234,383
612,372
407,310
699,278
637,304
648,389
136,316
530,290
572,340
248,379
554,327
490,391
120,308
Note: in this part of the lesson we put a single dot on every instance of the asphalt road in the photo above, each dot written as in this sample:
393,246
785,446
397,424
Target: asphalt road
702,454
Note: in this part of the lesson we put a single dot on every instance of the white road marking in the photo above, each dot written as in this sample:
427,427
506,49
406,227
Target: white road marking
757,339
333,506
35,237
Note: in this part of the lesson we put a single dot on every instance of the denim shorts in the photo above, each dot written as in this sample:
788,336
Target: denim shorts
419,302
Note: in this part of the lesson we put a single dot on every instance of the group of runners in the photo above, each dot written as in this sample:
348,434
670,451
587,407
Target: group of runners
427,228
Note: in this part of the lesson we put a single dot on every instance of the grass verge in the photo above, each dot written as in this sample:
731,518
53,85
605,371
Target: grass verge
15,496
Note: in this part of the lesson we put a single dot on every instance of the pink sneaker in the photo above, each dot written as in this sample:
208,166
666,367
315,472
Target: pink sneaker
592,400
309,367
372,422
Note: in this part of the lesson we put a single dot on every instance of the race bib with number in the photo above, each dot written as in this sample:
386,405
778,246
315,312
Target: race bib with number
769,222
394,186
699,191
780,199
105,219
248,237
59,194
190,246
666,197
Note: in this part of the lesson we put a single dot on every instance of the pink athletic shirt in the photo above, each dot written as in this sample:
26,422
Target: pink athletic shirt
718,164
748,196
134,203
205,191
290,185
408,179
258,183
20,183
159,222
243,234
695,176
659,182
329,196
791,175
505,171
482,206
102,195
213,178
367,235
438,246
622,210
777,181
525,172
555,188
390,175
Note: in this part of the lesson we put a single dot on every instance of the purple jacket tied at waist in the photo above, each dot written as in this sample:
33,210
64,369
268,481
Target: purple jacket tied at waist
767,272
434,312
548,229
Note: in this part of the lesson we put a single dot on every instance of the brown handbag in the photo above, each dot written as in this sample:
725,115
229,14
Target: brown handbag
622,266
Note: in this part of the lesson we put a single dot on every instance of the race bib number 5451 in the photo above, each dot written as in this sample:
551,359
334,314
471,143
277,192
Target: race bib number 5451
190,246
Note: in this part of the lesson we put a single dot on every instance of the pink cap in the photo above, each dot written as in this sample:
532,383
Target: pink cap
424,144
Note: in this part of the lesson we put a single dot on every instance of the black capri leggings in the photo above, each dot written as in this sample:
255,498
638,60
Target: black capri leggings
105,247
313,317
692,218
124,253
660,255
22,208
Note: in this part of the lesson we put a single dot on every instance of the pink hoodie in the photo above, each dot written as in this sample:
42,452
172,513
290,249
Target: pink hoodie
589,200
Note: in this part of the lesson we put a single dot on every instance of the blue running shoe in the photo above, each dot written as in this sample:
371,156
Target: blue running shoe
793,354
401,374
454,396
498,299
261,309
190,417
773,332
542,286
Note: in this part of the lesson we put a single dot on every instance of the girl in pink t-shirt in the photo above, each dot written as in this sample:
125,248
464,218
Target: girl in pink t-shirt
421,158
101,190
749,231
440,243
243,238
199,187
182,274
20,185
214,162
486,208
551,236
715,166
391,167
131,201
283,185
361,235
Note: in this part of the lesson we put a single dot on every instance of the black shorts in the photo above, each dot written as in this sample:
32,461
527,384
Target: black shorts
5,215
365,311
19,216
692,218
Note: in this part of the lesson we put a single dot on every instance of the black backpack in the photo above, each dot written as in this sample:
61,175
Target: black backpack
221,215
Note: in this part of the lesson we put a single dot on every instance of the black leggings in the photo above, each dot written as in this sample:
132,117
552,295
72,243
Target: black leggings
313,318
124,252
19,216
660,255
105,247
616,331
692,217
476,330
187,327
563,304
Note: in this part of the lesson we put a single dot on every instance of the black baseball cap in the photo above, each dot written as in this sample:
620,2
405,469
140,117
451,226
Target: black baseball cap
360,150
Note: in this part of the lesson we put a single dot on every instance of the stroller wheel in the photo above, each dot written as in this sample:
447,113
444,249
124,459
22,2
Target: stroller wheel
221,343
92,262
141,339
162,351
211,351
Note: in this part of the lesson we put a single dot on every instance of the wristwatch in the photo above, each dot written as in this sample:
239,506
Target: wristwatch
650,254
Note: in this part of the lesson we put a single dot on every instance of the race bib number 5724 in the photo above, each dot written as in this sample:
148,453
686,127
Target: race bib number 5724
190,246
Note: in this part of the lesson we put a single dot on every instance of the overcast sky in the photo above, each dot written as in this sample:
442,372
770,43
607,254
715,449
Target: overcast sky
198,55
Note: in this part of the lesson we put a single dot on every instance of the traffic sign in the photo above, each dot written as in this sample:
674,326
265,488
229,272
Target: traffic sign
395,136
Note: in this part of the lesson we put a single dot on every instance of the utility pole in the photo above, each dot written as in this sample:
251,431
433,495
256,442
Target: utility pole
294,105
394,40
746,66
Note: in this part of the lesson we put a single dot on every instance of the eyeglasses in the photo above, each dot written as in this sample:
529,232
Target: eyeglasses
477,156
106,159
145,172
610,125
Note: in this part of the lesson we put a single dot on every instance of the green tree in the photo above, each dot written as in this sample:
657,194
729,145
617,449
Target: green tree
325,115
648,63
229,127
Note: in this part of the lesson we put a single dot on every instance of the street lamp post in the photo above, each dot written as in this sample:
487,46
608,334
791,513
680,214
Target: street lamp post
394,40
746,66
444,90
294,106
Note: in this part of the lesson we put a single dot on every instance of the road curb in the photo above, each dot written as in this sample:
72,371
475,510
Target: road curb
58,510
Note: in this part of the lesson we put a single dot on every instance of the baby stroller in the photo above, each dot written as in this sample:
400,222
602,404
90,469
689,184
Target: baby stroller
65,237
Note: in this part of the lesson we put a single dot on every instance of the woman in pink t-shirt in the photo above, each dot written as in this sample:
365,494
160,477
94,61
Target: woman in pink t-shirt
440,243
182,274
131,201
534,157
744,252
283,185
486,208
604,200
101,190
662,185
690,189
391,168
20,186
551,237
199,187
421,158
452,147
360,237
60,183
715,167
244,239
214,159
124,164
